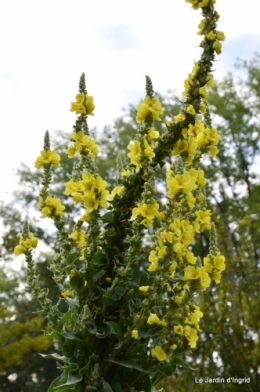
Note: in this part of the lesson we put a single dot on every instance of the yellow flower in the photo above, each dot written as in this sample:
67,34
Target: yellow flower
192,335
204,279
118,190
216,276
90,202
191,273
66,293
153,318
72,272
135,334
89,103
213,150
180,117
180,146
217,46
220,36
149,105
47,157
83,104
144,289
158,353
153,133
18,250
173,347
219,262
178,329
190,109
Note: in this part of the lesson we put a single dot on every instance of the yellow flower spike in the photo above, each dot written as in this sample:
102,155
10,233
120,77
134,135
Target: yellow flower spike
158,353
134,334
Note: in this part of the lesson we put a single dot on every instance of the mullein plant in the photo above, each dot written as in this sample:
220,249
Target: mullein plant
132,315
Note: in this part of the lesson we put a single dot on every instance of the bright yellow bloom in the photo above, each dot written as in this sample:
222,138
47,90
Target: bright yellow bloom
72,273
158,353
149,105
208,267
216,276
47,157
134,334
118,190
190,109
154,319
153,133
90,201
203,218
83,104
190,257
219,262
192,335
173,346
204,279
217,46
213,150
134,154
191,273
180,146
221,36
180,117
178,329
66,293
144,289
18,250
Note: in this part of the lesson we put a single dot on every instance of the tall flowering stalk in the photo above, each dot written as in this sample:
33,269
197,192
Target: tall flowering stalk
131,315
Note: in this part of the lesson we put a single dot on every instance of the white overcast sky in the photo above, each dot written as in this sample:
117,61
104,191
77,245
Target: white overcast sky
46,44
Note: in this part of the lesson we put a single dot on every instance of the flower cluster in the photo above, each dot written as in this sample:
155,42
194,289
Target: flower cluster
84,104
143,149
24,244
82,143
151,105
90,190
51,207
49,157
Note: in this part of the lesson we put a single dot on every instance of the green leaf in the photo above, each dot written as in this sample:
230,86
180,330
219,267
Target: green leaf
116,386
72,257
56,356
107,387
61,379
115,328
118,294
128,363
182,363
108,217
71,336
